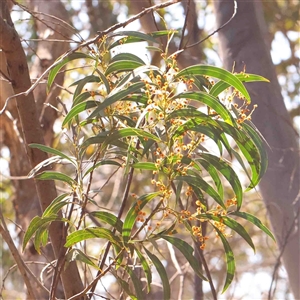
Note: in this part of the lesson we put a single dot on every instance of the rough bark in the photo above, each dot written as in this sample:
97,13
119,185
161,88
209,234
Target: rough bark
18,74
242,45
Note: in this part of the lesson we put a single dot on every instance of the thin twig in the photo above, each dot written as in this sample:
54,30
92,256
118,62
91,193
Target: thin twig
17,257
285,242
177,53
184,25
89,42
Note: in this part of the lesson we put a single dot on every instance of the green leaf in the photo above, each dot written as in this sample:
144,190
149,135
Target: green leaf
135,36
187,251
260,146
102,163
127,57
133,213
82,82
214,175
122,66
90,233
254,220
145,166
210,101
136,283
53,175
56,205
218,73
230,262
78,108
116,97
248,149
62,61
34,225
220,86
53,151
130,132
41,238
76,254
198,182
108,218
124,285
146,268
162,273
228,173
231,223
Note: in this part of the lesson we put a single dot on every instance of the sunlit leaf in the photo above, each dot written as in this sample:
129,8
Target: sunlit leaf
220,86
56,205
34,225
77,109
135,36
234,225
122,66
116,97
145,166
90,233
214,175
218,73
41,237
210,101
248,149
82,82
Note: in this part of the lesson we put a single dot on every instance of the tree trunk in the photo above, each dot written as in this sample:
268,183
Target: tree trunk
242,44
13,58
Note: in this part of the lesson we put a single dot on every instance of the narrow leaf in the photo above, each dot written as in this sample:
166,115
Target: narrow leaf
122,66
116,97
53,175
90,233
63,61
34,225
218,73
133,213
76,254
108,218
254,220
198,182
162,273
52,151
226,170
187,251
230,261
210,101
146,268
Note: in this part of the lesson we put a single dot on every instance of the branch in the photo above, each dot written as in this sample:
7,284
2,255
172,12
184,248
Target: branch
17,257
211,34
87,43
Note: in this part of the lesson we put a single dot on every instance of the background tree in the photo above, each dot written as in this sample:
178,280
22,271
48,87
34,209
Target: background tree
243,46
